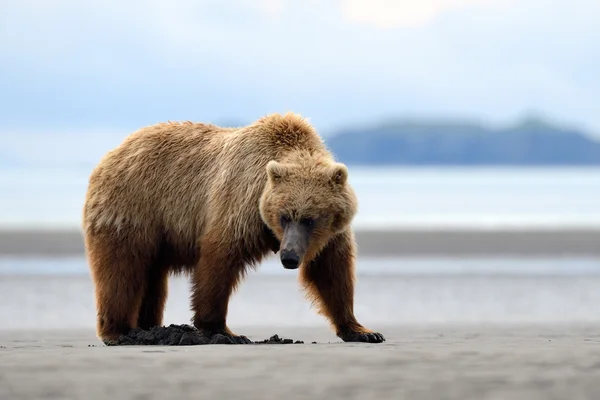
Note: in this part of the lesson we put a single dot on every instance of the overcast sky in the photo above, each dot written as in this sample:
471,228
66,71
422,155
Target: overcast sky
117,65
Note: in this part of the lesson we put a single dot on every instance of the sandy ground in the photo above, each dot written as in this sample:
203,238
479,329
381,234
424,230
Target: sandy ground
427,362
529,242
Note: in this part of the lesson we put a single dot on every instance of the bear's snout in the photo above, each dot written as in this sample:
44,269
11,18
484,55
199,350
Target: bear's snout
290,259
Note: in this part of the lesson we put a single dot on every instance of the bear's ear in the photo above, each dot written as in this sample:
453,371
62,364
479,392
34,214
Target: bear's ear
275,171
339,174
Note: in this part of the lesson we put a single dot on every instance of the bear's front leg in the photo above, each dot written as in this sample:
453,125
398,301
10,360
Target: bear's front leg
329,280
213,282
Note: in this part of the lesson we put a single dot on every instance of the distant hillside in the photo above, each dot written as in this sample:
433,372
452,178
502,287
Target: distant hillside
531,142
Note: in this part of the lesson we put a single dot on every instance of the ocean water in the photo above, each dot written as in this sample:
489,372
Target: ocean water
388,197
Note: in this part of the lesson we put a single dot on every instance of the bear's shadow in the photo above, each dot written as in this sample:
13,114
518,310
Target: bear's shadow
184,335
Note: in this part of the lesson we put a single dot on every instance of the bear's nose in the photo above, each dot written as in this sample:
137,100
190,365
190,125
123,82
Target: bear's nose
289,259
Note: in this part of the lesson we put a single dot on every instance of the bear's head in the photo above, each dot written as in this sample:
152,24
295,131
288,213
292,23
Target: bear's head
305,204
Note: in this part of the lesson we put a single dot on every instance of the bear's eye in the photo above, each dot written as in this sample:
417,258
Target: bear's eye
308,222
284,220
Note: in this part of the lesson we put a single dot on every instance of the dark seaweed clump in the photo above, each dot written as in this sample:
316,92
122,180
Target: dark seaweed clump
185,335
275,339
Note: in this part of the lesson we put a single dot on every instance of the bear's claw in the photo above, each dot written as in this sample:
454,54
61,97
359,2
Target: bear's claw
368,337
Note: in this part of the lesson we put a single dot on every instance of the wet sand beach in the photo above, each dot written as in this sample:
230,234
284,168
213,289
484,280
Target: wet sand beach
452,241
427,362
533,335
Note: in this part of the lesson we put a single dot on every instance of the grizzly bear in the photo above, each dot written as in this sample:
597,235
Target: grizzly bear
212,202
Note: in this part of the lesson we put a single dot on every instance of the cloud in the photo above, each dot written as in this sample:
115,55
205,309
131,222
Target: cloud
271,8
119,65
400,13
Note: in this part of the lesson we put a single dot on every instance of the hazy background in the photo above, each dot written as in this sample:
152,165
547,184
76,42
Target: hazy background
454,114
112,66
388,83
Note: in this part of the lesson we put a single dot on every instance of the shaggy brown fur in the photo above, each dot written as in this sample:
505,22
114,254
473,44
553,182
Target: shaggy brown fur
197,198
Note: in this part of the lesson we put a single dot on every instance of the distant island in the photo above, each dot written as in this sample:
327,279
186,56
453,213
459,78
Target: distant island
531,142
420,142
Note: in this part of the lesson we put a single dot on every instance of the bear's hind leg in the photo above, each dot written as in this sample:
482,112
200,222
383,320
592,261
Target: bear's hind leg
154,297
119,277
329,280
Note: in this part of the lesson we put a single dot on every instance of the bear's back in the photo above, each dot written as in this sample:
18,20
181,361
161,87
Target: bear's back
155,175
176,177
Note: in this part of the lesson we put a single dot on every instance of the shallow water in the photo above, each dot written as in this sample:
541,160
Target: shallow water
377,266
49,294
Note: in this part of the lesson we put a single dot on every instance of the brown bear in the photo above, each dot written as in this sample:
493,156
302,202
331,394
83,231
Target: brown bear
212,202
